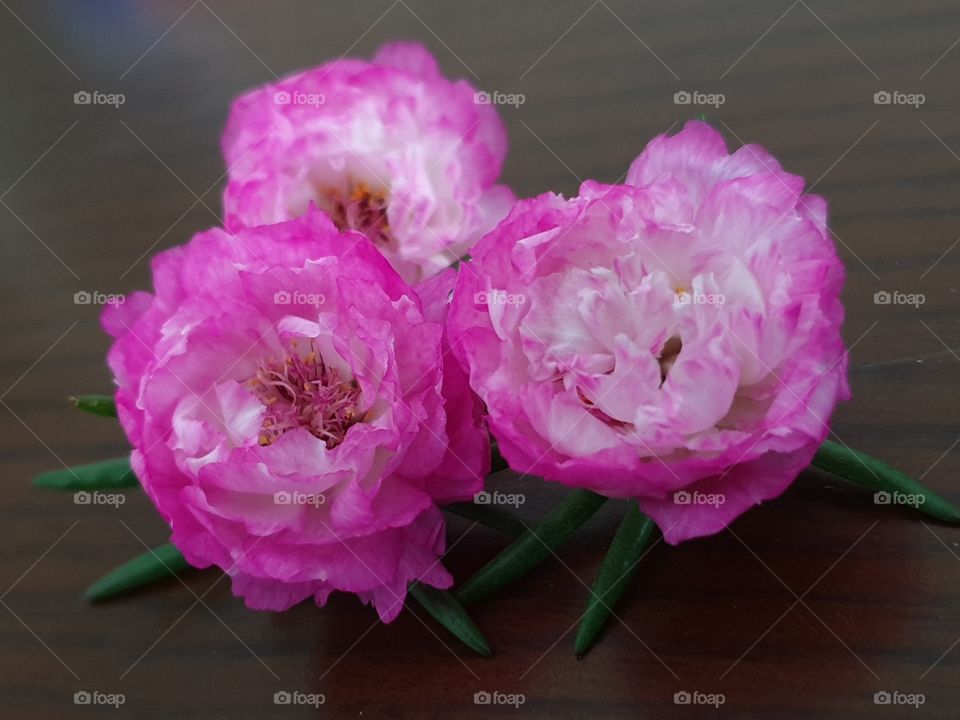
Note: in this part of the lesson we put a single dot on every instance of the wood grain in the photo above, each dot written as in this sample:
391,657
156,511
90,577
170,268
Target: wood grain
806,608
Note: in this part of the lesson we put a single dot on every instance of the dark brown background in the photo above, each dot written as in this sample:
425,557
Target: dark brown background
92,190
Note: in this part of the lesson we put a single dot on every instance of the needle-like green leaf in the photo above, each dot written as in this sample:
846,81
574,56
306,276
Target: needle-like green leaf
532,547
103,475
868,471
445,609
103,405
153,565
618,567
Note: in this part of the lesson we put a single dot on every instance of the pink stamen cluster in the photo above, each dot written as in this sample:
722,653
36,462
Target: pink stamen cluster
303,391
364,210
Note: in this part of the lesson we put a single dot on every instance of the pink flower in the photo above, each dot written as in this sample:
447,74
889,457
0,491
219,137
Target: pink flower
388,147
675,340
292,413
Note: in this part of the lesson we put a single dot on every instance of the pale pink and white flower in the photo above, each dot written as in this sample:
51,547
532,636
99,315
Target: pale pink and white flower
675,339
388,147
293,414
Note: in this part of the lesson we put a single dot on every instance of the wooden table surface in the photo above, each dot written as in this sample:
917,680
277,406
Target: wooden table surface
806,607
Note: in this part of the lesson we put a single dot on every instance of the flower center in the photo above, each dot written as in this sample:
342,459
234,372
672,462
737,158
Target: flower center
301,390
362,209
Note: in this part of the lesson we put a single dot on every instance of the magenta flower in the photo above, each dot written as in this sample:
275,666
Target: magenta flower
293,415
675,340
388,147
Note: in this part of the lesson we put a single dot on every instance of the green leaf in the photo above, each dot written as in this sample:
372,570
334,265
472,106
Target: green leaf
489,516
531,548
868,471
103,475
451,614
96,404
618,567
157,564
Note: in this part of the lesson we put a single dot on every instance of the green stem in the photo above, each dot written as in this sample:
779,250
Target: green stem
96,404
157,564
619,566
445,609
531,548
869,472
103,475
